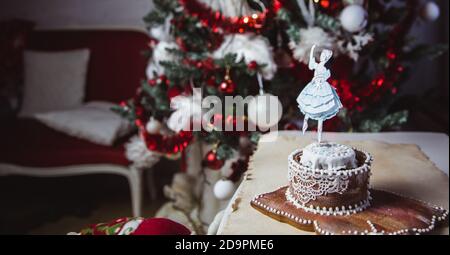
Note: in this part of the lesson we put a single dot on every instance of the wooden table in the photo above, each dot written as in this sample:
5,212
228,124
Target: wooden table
412,164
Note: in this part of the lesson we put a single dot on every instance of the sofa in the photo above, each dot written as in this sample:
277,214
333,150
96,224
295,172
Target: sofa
115,69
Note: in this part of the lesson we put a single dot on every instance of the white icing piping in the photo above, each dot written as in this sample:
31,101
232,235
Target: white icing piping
281,213
373,231
333,156
365,167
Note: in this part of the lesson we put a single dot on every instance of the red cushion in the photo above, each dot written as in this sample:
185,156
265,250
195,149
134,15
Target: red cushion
27,142
116,64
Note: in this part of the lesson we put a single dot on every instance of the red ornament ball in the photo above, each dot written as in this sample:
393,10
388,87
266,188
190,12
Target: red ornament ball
227,87
212,162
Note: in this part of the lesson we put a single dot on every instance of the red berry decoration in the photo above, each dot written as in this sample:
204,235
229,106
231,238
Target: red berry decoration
252,65
181,44
209,64
152,82
187,90
173,92
123,104
211,81
291,126
138,123
163,78
227,87
212,162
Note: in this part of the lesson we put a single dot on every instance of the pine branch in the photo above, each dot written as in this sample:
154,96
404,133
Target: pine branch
387,122
162,9
427,51
327,22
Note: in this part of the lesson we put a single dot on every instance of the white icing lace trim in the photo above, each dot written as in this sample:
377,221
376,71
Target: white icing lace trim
308,184
336,211
334,171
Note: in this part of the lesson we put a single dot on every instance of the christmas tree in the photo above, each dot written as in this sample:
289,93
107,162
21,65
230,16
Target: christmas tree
239,47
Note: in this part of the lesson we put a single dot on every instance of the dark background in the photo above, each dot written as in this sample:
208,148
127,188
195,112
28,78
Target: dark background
28,203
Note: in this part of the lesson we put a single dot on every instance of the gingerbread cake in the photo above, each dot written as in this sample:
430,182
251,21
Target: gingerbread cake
328,192
329,179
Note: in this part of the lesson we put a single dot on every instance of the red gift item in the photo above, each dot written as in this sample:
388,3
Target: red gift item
161,226
137,226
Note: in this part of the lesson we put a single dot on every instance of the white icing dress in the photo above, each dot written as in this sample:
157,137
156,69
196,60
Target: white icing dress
319,100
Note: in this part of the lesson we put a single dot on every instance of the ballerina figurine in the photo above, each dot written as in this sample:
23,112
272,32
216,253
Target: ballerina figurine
319,100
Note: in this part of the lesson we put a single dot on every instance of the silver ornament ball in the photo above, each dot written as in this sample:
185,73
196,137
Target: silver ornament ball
353,18
265,110
153,126
430,11
223,189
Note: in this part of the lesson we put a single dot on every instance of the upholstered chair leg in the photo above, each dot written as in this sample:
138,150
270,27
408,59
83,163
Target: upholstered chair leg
135,181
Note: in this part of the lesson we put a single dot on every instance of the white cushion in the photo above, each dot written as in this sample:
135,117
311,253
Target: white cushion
54,80
94,122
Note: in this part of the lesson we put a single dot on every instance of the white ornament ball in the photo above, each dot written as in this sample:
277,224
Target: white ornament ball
265,111
353,18
430,11
153,126
223,189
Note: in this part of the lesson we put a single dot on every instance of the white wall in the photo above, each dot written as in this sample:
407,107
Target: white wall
53,14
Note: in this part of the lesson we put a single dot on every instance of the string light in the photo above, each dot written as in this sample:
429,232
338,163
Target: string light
214,19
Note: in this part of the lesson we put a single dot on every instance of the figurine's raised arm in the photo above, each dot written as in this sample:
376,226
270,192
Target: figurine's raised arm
312,62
